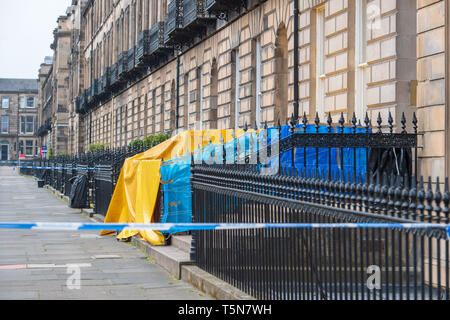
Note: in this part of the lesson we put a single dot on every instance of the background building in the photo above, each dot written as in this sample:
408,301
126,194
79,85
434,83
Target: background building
19,118
54,92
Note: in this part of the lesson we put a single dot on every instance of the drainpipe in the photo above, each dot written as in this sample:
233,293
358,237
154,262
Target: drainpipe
296,77
90,129
177,111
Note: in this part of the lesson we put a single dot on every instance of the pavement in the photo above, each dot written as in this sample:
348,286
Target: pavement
46,265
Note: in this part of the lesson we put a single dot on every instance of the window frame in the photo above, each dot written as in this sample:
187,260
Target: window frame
258,81
360,58
24,124
34,102
6,98
237,80
27,147
22,102
320,61
7,124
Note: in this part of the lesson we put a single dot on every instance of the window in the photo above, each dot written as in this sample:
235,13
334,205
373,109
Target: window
360,58
188,105
22,102
5,124
201,96
26,124
5,102
320,62
258,80
30,102
237,80
29,147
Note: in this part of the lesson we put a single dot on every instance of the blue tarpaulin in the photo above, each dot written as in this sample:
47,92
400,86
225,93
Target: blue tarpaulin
176,173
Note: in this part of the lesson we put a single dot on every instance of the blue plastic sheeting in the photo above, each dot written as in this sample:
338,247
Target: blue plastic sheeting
175,179
176,173
350,155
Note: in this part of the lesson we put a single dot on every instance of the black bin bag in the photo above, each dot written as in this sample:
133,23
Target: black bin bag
79,192
392,161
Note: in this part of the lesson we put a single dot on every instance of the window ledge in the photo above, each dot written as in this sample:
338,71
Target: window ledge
363,65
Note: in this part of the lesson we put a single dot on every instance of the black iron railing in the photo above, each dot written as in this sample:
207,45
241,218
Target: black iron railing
101,181
323,264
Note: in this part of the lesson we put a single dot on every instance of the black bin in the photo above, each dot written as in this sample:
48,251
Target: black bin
41,183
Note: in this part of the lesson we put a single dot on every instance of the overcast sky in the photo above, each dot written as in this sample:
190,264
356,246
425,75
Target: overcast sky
26,32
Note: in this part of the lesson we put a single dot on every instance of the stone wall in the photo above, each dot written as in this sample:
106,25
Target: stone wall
210,96
431,95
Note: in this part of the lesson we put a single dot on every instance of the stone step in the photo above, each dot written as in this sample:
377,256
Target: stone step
211,285
170,258
182,242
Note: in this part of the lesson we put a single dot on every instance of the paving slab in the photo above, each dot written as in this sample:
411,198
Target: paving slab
44,256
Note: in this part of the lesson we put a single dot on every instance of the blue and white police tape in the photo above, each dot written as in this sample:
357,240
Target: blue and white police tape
58,168
17,162
64,226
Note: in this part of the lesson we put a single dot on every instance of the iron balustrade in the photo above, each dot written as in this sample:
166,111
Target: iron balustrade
100,88
82,103
113,74
173,21
122,64
339,147
130,59
222,5
105,80
194,12
156,39
96,86
142,49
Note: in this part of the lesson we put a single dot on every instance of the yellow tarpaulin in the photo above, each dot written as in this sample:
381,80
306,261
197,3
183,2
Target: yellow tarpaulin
136,192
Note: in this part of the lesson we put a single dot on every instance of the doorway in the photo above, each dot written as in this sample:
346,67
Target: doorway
4,152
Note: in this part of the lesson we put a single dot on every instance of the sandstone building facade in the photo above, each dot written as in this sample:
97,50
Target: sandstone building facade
53,82
138,67
19,119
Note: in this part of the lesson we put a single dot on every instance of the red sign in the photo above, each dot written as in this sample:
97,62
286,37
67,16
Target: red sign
22,156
